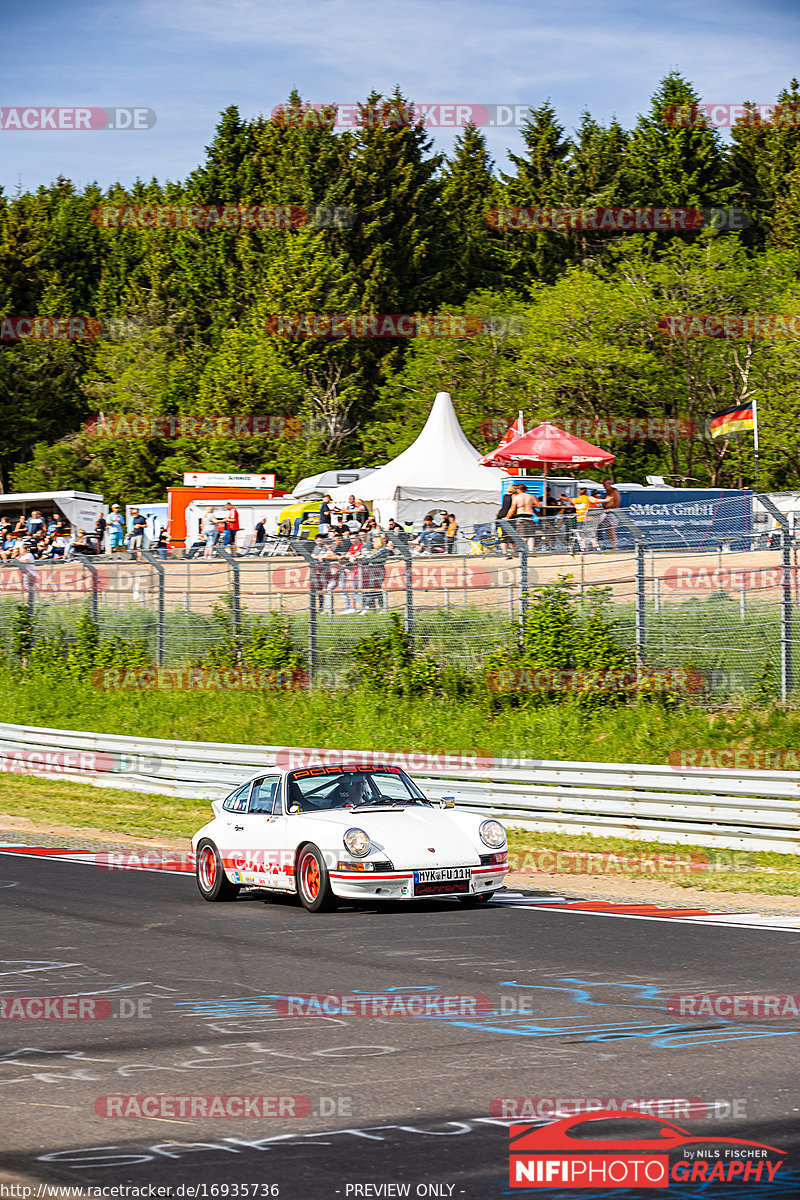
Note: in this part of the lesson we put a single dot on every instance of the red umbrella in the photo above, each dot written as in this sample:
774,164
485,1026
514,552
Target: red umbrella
548,445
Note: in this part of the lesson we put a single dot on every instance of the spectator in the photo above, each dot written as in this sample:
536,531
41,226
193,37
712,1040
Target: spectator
5,533
591,523
82,544
55,521
361,512
116,529
99,532
325,515
521,512
209,531
451,532
231,527
397,531
502,515
136,534
260,532
35,524
373,573
609,521
21,528
161,546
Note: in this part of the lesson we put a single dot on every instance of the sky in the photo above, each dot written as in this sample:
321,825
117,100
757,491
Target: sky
188,60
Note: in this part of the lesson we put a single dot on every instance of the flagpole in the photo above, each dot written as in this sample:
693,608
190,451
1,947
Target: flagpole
755,436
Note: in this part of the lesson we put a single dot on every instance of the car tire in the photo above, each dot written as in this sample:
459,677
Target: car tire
312,880
476,901
212,881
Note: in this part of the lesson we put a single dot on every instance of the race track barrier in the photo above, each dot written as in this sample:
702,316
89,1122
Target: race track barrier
723,808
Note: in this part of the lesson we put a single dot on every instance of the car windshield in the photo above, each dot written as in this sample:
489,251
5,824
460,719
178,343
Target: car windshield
322,788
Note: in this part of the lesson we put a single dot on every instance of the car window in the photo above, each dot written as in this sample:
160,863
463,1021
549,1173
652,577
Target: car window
265,793
237,801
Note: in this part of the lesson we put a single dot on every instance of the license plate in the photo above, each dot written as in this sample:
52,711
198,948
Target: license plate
442,874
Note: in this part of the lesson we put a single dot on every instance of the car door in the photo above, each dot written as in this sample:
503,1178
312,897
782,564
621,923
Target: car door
263,842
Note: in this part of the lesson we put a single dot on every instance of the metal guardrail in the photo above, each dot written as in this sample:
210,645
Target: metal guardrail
727,809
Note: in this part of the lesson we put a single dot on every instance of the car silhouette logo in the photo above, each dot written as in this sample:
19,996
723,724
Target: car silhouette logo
665,1136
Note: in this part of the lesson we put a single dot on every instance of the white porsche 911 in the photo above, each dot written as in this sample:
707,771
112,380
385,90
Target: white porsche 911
347,833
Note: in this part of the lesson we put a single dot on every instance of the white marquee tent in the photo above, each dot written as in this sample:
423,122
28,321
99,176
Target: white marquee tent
439,470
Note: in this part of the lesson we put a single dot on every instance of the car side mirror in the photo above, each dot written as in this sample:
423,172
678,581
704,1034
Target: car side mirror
294,808
447,802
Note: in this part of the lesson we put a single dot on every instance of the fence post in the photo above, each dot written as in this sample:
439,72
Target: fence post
641,602
92,569
161,626
786,615
402,549
237,594
303,548
521,545
786,594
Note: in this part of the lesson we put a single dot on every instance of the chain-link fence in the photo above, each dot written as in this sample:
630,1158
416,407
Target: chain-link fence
723,607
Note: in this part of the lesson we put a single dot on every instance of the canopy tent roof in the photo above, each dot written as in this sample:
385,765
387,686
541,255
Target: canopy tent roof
440,465
547,444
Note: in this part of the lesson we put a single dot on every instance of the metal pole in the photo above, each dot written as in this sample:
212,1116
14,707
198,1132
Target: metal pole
521,545
160,629
237,599
641,639
786,616
92,569
301,547
402,549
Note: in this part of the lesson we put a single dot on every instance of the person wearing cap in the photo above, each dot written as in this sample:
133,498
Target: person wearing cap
116,529
136,535
591,522
610,520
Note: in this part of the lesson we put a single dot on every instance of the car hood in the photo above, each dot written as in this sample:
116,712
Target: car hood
410,837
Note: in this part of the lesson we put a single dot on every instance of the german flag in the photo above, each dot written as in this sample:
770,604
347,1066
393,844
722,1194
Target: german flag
731,420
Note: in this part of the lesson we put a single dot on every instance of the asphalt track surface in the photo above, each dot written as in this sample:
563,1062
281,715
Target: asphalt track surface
580,1010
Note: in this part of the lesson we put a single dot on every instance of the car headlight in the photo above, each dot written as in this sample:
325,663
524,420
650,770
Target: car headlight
492,834
357,842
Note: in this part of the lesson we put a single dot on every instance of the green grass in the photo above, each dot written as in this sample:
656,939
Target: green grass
728,870
360,719
49,802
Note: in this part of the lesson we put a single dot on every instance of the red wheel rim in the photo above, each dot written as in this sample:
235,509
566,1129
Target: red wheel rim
310,876
207,868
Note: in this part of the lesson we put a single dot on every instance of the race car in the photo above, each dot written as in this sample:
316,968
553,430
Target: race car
347,833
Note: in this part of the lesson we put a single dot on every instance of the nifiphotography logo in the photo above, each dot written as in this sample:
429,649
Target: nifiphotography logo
589,1151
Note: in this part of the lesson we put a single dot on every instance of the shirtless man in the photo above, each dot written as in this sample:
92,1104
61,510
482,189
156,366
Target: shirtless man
521,511
610,519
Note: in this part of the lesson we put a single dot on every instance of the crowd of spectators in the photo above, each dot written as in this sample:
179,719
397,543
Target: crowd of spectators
35,537
349,556
587,521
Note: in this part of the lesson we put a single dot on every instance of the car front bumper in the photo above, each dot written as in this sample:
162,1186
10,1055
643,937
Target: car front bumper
399,885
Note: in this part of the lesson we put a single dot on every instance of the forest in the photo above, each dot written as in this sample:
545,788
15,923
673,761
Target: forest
567,323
